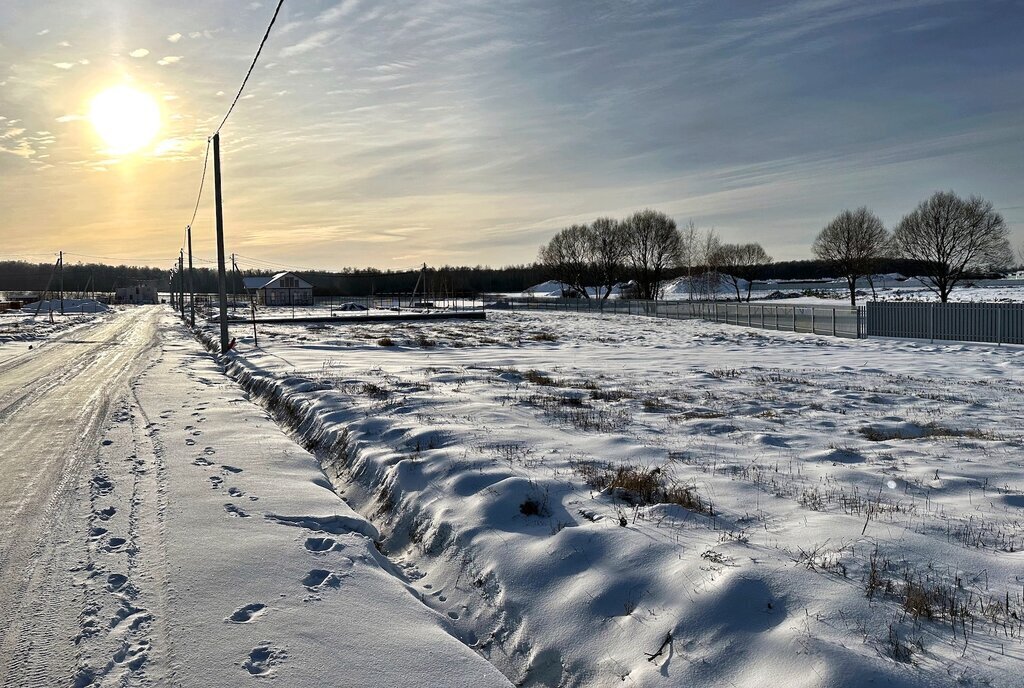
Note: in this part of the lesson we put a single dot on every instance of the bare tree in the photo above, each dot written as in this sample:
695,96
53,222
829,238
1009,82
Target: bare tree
709,254
953,236
652,246
690,255
853,242
567,257
739,263
607,251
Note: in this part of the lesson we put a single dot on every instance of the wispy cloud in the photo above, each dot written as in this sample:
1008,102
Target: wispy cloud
333,14
312,42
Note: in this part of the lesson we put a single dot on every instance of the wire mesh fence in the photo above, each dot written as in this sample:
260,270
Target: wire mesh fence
838,321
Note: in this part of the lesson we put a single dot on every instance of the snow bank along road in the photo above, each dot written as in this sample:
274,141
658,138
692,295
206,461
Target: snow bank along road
156,528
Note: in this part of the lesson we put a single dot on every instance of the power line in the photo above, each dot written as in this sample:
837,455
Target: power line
86,255
202,181
251,260
251,67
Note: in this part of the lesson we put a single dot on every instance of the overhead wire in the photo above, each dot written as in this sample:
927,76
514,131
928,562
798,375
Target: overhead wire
251,67
202,182
268,263
234,102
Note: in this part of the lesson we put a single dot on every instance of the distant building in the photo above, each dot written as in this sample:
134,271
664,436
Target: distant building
283,289
141,293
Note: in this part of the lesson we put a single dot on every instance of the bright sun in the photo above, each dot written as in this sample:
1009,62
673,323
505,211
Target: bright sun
124,118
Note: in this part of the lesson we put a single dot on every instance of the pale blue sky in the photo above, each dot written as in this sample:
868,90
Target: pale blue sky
466,132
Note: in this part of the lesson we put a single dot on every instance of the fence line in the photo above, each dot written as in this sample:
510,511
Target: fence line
838,321
999,323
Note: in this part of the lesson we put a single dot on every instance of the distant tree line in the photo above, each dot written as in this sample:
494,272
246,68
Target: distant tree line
19,276
91,277
945,240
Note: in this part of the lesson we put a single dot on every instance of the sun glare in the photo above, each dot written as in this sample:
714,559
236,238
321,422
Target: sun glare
126,119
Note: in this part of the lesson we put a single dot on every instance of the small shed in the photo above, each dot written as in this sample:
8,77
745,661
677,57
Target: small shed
282,289
143,292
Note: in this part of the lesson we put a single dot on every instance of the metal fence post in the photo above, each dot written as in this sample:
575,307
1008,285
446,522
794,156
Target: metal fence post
931,323
833,322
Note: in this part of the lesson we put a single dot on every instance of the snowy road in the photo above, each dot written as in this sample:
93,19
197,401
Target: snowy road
53,401
157,528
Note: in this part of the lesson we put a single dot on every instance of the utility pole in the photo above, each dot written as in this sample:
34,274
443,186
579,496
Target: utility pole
221,278
61,261
191,282
234,282
181,282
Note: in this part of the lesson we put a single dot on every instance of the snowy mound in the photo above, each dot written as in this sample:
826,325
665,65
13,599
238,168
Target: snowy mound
70,306
549,288
350,306
702,286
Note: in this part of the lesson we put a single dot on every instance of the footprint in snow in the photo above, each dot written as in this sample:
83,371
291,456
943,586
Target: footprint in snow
202,462
189,441
321,578
102,485
106,514
263,659
235,492
235,511
116,581
133,656
322,544
215,481
248,613
231,469
114,544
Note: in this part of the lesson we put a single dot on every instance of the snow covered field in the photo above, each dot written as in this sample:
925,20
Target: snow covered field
21,330
596,501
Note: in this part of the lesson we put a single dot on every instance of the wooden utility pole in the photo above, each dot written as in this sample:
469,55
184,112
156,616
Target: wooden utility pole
191,281
60,261
181,282
221,277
